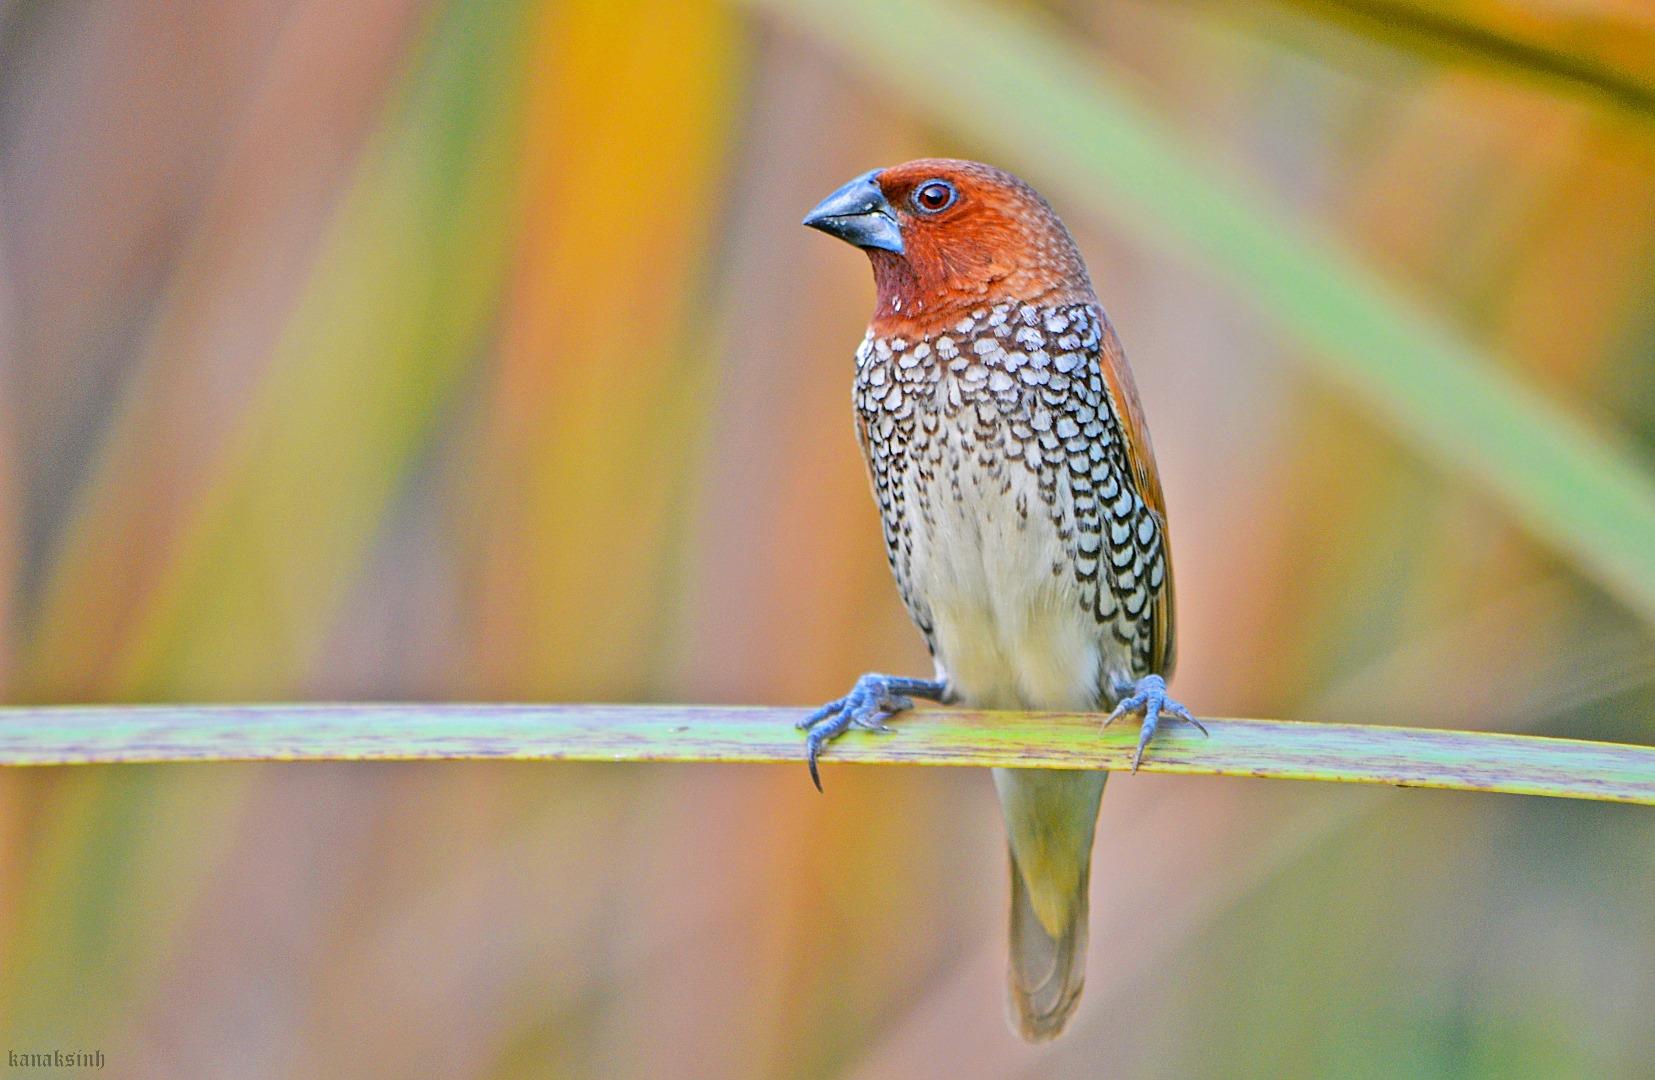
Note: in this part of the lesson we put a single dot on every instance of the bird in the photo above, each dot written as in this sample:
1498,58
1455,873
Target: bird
1022,513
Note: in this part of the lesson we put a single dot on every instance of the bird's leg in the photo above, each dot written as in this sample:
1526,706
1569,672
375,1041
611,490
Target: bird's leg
871,700
1149,696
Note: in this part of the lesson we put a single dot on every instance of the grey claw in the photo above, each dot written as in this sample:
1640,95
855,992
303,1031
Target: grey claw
874,698
1152,718
1149,696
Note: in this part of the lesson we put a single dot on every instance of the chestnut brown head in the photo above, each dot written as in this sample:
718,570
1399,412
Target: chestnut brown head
945,235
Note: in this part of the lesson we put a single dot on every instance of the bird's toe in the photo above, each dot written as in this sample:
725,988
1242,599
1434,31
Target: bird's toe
1149,697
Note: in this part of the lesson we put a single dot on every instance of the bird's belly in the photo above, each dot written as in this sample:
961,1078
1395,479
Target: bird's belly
997,574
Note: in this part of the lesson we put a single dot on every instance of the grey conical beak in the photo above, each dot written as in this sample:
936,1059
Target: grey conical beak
858,214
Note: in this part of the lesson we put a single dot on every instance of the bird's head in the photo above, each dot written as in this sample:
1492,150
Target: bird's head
946,236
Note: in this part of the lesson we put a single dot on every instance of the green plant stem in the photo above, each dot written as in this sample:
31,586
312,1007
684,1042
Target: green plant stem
1348,753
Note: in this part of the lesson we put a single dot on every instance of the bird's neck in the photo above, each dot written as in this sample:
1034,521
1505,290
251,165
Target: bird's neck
909,303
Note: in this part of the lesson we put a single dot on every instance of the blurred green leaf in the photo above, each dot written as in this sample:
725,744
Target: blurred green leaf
106,895
1577,50
394,314
1351,753
1061,118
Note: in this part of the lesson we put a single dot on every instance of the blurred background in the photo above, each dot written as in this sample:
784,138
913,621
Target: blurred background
443,350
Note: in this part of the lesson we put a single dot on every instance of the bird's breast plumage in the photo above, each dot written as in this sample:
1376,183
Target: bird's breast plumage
1013,517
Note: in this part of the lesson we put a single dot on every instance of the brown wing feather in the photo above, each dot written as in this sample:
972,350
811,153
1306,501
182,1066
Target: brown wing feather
1118,377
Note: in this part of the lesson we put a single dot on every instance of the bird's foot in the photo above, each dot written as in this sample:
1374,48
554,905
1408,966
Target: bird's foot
1149,696
871,700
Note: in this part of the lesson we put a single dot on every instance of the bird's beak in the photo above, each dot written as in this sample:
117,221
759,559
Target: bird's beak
858,214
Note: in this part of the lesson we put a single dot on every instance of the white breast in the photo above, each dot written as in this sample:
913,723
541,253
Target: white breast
1008,626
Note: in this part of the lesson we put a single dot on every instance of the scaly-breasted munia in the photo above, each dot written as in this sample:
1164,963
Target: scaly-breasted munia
1022,513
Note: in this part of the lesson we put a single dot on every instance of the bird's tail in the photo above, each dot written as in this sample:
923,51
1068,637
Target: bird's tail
1050,816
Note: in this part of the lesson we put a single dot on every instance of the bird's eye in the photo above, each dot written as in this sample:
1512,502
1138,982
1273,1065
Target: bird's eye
934,196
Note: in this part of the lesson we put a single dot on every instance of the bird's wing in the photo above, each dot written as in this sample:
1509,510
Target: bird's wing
1140,455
